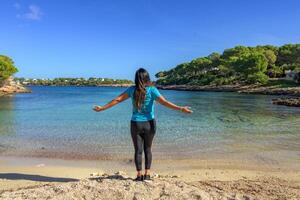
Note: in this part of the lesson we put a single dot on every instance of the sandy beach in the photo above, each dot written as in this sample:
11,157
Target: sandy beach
39,178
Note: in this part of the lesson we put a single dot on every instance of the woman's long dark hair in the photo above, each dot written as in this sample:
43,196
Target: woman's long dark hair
142,78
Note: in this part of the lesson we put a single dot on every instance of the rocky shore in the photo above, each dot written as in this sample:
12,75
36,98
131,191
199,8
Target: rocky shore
288,101
10,86
120,186
249,89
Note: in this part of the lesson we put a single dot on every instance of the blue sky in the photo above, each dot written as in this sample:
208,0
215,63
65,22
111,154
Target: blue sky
111,38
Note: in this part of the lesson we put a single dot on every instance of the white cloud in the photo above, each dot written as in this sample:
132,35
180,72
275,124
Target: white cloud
34,13
17,6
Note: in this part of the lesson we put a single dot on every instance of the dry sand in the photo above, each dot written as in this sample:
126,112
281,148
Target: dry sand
24,178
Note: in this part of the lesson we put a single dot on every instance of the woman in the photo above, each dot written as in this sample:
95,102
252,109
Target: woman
143,125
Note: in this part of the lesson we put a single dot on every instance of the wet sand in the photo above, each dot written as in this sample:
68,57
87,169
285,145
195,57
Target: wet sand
208,179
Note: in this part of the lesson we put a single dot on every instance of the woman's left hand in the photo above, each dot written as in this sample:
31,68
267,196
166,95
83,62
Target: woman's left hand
98,108
186,109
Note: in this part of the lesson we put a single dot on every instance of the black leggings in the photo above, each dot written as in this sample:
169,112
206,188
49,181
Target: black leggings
142,134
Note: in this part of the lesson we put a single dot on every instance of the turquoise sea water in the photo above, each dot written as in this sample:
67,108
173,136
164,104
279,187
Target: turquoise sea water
59,122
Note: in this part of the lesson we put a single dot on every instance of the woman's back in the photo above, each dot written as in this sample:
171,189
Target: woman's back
146,112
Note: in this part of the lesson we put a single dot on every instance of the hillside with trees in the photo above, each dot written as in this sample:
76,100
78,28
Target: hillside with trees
238,65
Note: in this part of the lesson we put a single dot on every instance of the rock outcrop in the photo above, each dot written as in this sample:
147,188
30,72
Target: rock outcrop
250,89
10,86
289,101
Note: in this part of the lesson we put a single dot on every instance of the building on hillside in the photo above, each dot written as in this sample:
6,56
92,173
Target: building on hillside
292,75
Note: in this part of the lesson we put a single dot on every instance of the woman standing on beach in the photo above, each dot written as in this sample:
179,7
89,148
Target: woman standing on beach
143,125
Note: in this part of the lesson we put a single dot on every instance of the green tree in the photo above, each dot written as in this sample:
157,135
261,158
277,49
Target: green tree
288,54
252,67
200,65
270,56
7,67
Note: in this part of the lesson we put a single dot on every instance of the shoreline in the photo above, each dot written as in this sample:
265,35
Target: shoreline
6,91
243,157
104,85
291,94
163,165
14,88
248,89
10,87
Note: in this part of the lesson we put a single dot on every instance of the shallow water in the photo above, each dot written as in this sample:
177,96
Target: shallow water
59,122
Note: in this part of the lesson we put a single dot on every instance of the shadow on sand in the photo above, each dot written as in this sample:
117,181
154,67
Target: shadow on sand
117,177
31,177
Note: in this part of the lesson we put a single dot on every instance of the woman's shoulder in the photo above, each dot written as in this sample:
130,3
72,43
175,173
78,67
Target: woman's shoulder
132,87
129,90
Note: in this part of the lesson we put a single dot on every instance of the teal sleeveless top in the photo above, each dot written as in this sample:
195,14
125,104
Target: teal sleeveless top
147,111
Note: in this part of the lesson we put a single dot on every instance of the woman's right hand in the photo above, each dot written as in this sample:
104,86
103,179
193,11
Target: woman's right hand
98,108
186,109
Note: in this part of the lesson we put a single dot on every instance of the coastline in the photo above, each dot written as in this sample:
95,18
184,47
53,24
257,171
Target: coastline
10,87
209,179
102,85
13,90
249,89
291,94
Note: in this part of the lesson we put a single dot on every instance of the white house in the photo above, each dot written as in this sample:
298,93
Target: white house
291,75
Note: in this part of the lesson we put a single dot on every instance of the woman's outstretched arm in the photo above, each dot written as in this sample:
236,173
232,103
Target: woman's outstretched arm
119,99
171,105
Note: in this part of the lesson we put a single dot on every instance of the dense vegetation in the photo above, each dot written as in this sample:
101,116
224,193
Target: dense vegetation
73,81
7,68
241,64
